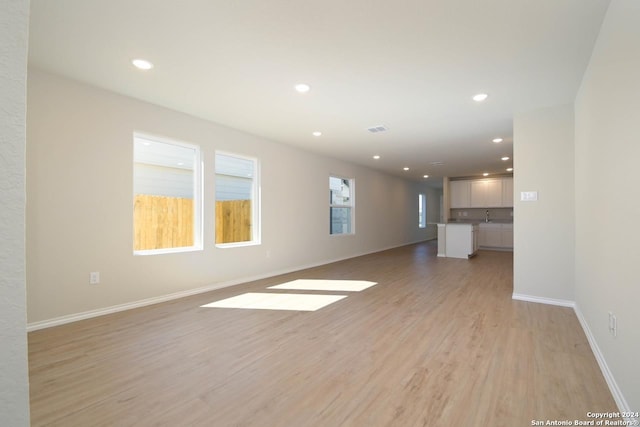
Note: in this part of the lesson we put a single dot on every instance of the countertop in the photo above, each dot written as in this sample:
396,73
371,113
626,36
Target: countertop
459,223
471,221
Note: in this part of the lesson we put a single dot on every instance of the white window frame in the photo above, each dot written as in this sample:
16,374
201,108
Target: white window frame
198,179
422,210
256,202
351,206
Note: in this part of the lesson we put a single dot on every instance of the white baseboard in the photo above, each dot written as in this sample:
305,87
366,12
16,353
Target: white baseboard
34,326
543,300
602,363
623,406
56,321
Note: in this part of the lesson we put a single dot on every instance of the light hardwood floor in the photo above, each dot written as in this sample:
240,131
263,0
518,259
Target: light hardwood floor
438,342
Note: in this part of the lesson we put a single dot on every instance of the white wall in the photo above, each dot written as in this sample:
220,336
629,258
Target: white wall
544,230
607,194
79,216
14,379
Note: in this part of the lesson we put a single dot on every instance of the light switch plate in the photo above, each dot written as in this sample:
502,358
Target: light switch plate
528,196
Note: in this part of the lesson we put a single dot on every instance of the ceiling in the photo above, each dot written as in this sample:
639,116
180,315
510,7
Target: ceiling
409,65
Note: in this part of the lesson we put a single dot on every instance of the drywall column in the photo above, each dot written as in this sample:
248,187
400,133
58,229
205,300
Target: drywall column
446,204
607,205
14,379
544,229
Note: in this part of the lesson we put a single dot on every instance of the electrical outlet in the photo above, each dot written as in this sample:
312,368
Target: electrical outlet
613,324
94,277
614,327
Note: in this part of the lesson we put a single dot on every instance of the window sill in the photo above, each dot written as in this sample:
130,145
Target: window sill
167,251
237,244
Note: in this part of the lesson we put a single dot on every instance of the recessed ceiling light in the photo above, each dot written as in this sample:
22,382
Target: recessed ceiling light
497,140
405,168
485,174
317,133
302,87
504,159
509,169
425,176
376,157
480,97
376,129
142,64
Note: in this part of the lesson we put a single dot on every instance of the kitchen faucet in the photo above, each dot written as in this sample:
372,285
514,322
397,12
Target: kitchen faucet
486,217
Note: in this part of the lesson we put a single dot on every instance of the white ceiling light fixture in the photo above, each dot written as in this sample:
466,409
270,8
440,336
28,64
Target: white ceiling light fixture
405,168
317,133
142,64
485,174
480,97
497,140
509,169
376,157
504,159
376,129
302,88
425,176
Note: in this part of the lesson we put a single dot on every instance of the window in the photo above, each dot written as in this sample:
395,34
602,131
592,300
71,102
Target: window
167,207
422,210
340,205
237,201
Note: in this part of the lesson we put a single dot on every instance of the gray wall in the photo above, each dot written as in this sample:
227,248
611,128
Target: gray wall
607,195
79,217
14,380
578,243
544,230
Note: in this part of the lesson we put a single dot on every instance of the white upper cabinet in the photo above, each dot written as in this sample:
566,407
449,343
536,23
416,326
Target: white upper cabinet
486,193
482,193
507,192
460,194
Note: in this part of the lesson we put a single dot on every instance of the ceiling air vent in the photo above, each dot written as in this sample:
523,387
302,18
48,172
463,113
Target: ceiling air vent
376,129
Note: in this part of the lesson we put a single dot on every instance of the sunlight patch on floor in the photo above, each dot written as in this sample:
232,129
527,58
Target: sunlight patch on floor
326,285
261,301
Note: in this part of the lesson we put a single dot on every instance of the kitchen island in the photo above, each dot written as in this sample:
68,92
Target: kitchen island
457,240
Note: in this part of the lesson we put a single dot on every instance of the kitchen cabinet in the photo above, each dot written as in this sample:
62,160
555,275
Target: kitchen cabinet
461,240
495,236
486,193
481,193
460,194
490,235
507,236
507,192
